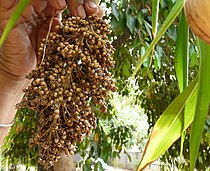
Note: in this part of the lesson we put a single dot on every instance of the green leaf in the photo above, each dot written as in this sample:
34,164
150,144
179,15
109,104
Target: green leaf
126,67
202,105
181,53
193,55
87,165
119,26
157,57
157,62
148,28
115,11
155,11
181,61
99,166
169,126
130,20
150,75
168,21
13,19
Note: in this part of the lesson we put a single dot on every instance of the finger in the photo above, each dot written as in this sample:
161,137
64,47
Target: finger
58,4
28,12
51,11
39,5
101,12
91,7
76,8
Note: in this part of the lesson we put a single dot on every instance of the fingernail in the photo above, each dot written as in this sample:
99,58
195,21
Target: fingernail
61,3
81,11
92,4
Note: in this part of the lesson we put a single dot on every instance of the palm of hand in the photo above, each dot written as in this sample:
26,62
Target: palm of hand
18,53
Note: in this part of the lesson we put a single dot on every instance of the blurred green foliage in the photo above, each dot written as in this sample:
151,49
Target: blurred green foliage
157,87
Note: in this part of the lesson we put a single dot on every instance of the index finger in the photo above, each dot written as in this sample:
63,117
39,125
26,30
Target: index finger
76,8
58,4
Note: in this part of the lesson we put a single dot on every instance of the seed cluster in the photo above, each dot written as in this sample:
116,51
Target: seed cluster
74,72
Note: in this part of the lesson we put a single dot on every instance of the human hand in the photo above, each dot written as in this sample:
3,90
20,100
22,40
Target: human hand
18,55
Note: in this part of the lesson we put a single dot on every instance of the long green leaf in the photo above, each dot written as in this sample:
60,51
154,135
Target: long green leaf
168,21
169,126
13,19
202,105
181,53
181,61
155,11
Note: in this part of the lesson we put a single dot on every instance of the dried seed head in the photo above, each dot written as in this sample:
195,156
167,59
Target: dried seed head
73,72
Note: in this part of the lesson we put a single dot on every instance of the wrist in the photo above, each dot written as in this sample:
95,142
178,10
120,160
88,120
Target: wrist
8,125
11,83
11,93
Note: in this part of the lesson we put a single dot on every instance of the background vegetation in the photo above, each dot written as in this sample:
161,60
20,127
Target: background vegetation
135,25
